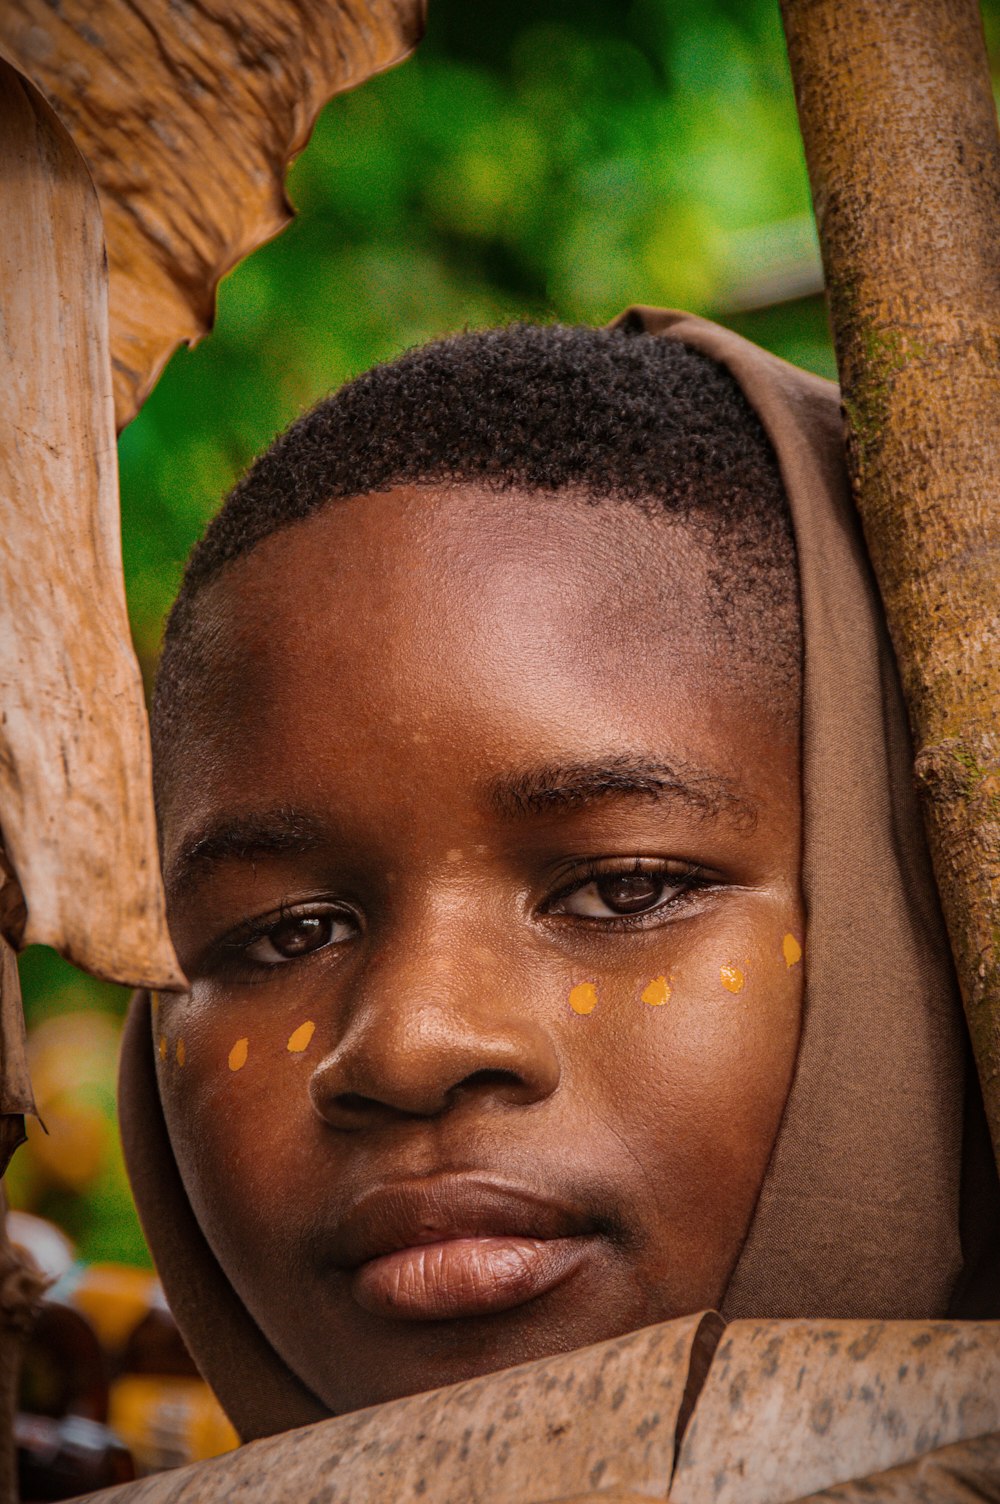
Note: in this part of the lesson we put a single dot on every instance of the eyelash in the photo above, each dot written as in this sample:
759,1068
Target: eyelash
690,878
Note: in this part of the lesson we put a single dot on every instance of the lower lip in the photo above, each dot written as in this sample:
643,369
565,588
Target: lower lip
465,1276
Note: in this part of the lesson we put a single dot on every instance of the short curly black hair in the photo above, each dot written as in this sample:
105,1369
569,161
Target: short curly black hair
615,414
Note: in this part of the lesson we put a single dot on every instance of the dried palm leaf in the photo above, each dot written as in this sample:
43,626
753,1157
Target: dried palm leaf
17,1100
75,802
188,112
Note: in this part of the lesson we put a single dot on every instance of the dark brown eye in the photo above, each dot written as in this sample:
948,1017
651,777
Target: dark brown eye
616,894
630,892
300,935
296,937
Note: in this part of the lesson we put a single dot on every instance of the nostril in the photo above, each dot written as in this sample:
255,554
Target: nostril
354,1102
491,1078
488,1080
351,1109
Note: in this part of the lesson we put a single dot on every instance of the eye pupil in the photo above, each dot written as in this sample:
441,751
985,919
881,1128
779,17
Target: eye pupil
296,937
630,892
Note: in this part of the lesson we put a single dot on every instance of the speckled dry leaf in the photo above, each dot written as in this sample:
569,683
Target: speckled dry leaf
75,799
188,114
16,1097
604,1496
791,1407
968,1472
601,1420
777,1409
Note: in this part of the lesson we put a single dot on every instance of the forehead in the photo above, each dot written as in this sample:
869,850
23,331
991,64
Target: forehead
392,630
468,577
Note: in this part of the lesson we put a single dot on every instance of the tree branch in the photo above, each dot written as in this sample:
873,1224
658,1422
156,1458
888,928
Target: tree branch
901,140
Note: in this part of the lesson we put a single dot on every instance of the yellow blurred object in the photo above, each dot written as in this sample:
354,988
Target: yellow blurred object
114,1298
70,1154
73,1058
167,1422
72,1048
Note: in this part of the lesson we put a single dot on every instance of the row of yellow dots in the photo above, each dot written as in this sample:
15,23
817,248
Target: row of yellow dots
583,997
298,1040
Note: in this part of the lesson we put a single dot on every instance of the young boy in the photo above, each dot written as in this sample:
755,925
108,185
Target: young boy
497,794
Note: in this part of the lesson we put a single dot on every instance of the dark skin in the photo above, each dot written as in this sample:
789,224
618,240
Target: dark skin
466,765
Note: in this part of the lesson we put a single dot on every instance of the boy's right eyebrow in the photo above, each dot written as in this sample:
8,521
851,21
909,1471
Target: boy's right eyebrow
238,837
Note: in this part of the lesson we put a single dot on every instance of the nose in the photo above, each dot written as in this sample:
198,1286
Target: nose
422,1040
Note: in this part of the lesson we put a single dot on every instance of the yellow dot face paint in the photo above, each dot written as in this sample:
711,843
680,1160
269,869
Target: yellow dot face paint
163,1047
791,950
238,1054
657,993
583,997
181,1052
732,978
300,1038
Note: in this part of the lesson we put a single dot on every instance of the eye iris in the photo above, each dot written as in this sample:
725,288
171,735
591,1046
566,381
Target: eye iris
630,892
296,937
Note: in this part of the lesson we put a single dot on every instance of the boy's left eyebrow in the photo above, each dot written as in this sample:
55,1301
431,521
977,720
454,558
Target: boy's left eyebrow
242,837
554,787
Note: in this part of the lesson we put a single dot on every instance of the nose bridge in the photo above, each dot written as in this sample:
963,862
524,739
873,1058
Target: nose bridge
431,1017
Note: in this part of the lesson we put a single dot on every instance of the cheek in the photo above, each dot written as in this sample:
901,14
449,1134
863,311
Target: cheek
692,1060
731,1059
235,1097
705,1018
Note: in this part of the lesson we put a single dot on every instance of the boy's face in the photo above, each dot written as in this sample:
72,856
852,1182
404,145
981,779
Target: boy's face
483,863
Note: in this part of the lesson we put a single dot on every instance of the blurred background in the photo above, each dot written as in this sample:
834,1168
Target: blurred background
521,165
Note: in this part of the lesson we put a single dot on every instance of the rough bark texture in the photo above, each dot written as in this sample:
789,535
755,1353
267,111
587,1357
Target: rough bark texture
76,807
772,1411
901,140
187,116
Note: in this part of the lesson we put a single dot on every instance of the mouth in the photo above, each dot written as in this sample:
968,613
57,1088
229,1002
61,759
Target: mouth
450,1247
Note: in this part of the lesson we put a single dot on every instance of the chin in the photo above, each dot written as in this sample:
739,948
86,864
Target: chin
433,1355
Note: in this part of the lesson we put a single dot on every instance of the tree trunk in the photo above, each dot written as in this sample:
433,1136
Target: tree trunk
901,141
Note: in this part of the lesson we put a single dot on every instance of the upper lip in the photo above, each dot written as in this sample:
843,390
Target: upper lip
434,1209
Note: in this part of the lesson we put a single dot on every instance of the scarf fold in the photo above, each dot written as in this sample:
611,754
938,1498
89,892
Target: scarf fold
880,1199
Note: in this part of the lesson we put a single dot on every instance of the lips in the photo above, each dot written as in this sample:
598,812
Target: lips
450,1247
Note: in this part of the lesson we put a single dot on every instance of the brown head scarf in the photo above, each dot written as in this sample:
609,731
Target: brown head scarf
880,1197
